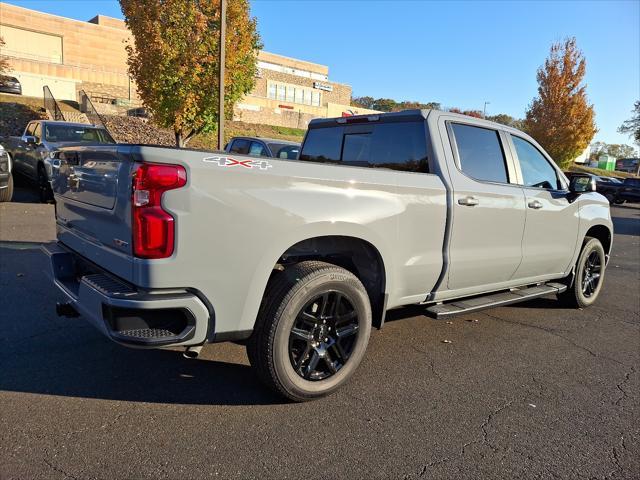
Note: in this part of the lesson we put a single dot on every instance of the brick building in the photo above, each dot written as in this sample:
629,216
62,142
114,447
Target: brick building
69,55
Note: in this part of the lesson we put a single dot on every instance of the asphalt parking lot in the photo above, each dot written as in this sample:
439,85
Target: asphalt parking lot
528,391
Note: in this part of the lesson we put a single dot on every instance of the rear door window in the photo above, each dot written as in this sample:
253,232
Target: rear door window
240,146
536,170
480,153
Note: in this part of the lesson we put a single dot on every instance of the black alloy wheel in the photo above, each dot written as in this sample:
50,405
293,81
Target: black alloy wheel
312,330
591,274
323,336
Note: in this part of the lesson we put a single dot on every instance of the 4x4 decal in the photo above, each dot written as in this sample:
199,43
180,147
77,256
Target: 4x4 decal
232,162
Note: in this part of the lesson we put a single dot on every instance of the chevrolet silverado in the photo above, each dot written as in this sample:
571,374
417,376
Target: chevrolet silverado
299,259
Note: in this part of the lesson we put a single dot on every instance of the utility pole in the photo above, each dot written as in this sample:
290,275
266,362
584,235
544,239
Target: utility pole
484,110
221,49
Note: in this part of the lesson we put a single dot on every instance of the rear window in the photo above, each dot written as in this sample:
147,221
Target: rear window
480,153
397,146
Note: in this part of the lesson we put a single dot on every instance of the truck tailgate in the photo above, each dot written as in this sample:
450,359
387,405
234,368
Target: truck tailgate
92,189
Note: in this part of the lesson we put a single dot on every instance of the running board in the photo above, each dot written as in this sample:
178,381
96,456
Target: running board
462,306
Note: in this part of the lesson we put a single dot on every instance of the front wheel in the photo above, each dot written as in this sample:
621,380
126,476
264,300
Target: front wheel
589,275
312,330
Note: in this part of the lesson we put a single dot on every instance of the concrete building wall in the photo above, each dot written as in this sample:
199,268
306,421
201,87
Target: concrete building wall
69,55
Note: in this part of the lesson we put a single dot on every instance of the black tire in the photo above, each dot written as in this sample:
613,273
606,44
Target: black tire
610,198
619,202
7,193
293,296
580,295
44,187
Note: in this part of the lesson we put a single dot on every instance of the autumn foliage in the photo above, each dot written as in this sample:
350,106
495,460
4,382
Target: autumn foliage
174,60
4,63
560,118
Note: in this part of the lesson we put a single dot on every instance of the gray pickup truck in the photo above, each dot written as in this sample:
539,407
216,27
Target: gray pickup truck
298,259
40,139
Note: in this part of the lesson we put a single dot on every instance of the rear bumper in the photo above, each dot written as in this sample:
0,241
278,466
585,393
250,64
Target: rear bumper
124,313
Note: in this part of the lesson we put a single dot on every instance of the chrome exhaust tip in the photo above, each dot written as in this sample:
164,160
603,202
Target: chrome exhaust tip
192,352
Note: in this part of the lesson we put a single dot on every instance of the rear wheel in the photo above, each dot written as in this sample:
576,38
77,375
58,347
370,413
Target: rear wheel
589,275
312,330
44,187
610,198
7,193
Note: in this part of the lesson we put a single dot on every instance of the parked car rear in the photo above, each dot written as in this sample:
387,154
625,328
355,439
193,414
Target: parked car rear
10,85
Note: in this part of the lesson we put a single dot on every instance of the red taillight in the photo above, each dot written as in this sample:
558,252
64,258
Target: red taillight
153,230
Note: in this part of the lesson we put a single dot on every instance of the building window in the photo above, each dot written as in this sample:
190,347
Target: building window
294,94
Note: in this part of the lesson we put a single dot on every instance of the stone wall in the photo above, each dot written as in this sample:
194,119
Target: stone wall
270,116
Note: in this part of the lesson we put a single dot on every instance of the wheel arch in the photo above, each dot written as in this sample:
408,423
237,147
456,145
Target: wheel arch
354,254
602,233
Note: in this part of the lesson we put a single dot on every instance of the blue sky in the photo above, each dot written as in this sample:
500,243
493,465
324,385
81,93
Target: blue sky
457,53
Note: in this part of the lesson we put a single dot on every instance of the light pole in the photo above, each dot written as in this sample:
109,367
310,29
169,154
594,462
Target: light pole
221,49
484,110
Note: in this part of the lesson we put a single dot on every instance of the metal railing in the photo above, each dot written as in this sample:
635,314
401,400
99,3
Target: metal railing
87,107
51,105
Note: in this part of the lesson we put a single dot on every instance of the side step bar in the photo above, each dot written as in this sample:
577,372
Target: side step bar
462,306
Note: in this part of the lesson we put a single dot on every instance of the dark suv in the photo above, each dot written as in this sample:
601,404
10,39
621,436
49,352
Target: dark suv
629,191
263,147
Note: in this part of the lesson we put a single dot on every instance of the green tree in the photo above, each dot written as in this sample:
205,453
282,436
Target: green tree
363,102
390,105
620,151
632,126
507,120
174,60
560,117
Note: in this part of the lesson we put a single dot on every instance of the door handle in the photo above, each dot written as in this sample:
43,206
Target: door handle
535,204
468,201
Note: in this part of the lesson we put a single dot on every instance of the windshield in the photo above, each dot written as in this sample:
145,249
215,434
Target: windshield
281,150
74,133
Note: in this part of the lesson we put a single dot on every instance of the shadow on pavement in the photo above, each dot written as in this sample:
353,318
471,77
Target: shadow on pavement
24,191
43,354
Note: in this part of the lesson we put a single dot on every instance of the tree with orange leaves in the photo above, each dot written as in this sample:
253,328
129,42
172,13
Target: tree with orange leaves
174,60
560,118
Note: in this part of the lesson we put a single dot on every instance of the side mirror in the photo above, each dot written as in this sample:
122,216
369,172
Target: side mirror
30,139
582,184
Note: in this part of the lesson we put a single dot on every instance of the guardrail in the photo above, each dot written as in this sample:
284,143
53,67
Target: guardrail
51,105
